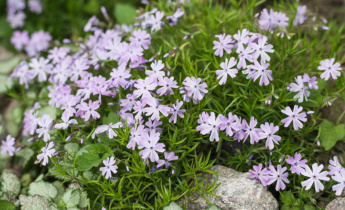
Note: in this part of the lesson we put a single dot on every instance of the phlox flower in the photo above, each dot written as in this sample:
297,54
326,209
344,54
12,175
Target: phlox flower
261,49
45,122
144,87
243,55
66,122
212,126
128,103
260,173
16,20
251,131
262,72
166,84
241,38
69,106
223,44
138,107
57,54
268,131
151,146
152,125
136,137
330,68
279,176
282,20
109,168
156,108
120,76
20,39
23,73
155,21
294,116
90,23
340,178
156,71
334,166
176,110
132,52
89,110
267,21
312,83
203,117
227,70
168,156
40,67
174,18
229,124
315,176
141,38
79,66
108,129
8,146
300,17
249,72
194,88
297,165
47,152
299,87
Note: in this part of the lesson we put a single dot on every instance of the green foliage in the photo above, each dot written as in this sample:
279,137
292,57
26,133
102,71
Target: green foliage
330,133
41,188
6,205
124,13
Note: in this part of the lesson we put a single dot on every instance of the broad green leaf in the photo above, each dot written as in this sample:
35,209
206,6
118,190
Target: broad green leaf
112,118
88,160
10,183
71,147
7,66
26,154
7,205
124,13
48,110
330,134
44,189
172,206
5,82
71,198
33,202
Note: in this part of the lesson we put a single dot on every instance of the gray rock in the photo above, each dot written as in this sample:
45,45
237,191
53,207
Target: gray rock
336,204
237,190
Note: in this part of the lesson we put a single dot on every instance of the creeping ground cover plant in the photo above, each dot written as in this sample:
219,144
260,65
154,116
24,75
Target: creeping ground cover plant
134,114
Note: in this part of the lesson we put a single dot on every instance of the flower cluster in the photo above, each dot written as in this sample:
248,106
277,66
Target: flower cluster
15,13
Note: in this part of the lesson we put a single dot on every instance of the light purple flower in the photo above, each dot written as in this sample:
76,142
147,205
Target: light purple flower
156,72
141,38
152,125
212,126
299,87
334,166
279,176
268,131
144,87
108,129
168,156
151,146
166,84
243,55
45,123
155,21
16,19
260,174
315,176
294,116
241,38
109,168
35,6
194,88
267,21
251,131
229,124
156,108
66,122
330,68
40,67
20,39
227,70
340,178
174,18
261,49
8,146
89,110
136,137
223,44
262,72
90,23
300,17
47,152
312,83
176,110
297,165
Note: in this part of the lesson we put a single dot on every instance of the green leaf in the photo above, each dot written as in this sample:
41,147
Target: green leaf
71,147
5,82
112,118
44,189
10,183
172,206
124,13
88,160
6,205
330,134
214,207
33,202
71,198
7,66
48,110
26,154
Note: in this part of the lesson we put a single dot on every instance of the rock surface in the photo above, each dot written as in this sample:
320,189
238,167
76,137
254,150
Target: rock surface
237,190
336,204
